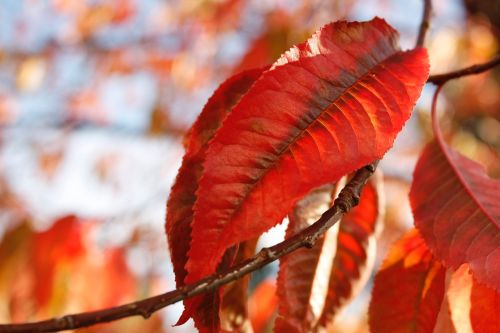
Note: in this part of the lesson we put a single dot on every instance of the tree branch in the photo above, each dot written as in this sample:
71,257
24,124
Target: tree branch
440,79
347,199
425,23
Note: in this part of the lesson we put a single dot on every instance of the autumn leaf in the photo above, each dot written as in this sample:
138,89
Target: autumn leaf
355,254
458,296
303,277
13,278
485,307
314,283
225,308
408,289
44,273
474,307
444,323
183,193
59,245
326,108
456,209
62,261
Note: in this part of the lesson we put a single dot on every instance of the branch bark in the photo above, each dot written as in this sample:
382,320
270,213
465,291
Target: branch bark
441,79
347,199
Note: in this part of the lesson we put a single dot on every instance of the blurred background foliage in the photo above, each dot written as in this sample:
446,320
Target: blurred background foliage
95,97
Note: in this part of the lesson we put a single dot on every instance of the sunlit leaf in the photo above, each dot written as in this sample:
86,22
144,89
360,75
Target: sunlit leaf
456,209
183,193
48,272
408,289
57,246
327,107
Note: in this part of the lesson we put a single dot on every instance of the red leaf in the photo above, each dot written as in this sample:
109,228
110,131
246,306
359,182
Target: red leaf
43,274
328,107
301,273
356,248
183,194
485,308
408,289
456,209
314,283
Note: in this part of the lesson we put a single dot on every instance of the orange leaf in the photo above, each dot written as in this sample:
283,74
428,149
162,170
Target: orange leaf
262,306
60,244
408,289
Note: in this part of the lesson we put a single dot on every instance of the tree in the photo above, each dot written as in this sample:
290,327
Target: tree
298,137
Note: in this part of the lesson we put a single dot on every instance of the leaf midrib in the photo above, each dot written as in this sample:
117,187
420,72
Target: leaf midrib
298,136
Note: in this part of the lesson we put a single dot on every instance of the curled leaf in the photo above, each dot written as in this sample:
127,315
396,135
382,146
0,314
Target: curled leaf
303,276
233,309
314,283
356,248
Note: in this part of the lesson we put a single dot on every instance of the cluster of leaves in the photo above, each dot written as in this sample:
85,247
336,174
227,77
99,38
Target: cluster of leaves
269,136
45,273
457,219
277,142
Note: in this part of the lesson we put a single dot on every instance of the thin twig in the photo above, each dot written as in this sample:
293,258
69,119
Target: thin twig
347,199
440,79
425,23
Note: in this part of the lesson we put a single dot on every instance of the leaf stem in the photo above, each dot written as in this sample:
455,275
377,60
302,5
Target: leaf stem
435,123
347,199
